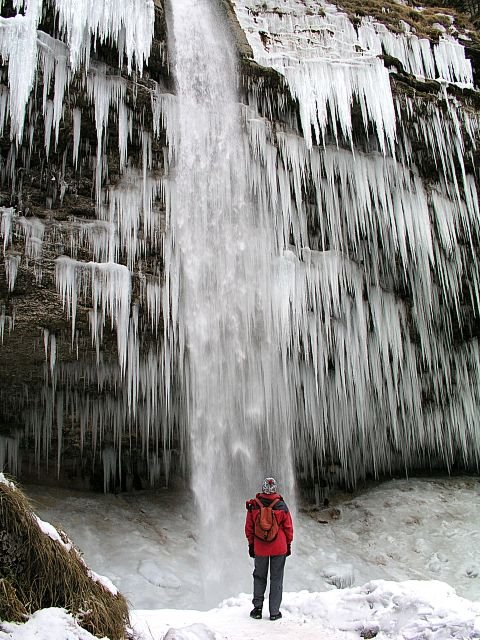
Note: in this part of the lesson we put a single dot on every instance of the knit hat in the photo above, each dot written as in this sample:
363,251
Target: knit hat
269,485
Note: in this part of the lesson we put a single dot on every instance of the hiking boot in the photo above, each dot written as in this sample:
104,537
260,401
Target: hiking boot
256,613
276,616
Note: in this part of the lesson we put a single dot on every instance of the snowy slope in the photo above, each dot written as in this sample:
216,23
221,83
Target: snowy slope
146,543
393,547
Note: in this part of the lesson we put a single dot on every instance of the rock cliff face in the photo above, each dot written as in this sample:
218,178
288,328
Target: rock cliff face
363,134
55,185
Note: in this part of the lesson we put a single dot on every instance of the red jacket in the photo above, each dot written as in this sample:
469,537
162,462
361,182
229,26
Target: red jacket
277,547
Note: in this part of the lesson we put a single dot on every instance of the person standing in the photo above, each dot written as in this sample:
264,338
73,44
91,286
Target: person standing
270,544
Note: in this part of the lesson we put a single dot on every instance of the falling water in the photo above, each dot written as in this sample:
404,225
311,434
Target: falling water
220,270
316,278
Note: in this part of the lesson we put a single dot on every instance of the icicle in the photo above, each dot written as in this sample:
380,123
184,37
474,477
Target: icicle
6,225
33,231
77,123
66,281
123,131
415,54
53,352
9,454
2,322
48,118
46,337
4,106
129,23
110,290
59,419
326,69
132,212
104,91
154,303
99,237
18,47
109,459
12,262
5,321
53,57
451,62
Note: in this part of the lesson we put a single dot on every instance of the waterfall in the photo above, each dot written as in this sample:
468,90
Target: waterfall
221,265
280,275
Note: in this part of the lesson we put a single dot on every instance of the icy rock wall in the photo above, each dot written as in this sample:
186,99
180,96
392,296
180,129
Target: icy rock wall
376,288
65,86
79,21
329,63
331,252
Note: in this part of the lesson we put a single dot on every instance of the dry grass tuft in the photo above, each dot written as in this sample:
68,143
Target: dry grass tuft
11,608
37,572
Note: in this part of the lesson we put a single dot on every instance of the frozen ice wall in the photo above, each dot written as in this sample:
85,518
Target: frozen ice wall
78,21
279,274
51,84
330,64
377,274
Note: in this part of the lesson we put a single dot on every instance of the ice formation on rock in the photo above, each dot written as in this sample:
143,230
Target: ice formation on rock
18,47
329,64
319,281
108,284
444,61
12,262
128,24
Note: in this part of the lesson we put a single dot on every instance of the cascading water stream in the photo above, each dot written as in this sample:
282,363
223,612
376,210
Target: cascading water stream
220,270
316,271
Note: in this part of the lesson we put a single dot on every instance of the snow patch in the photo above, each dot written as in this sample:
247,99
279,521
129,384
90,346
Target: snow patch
104,581
50,531
391,610
192,632
4,480
46,624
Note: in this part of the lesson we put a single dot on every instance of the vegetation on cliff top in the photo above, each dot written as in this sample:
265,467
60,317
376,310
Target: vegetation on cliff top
427,19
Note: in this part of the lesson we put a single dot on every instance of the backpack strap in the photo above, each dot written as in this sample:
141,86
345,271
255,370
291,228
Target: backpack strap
271,505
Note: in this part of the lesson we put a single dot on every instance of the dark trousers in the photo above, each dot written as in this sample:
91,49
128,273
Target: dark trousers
277,566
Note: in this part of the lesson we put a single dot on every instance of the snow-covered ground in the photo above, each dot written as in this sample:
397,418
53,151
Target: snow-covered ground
392,548
147,542
411,610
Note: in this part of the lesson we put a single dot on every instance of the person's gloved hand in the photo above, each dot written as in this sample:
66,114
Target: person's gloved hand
289,549
251,552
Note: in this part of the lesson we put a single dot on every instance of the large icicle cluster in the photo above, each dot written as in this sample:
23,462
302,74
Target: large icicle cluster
329,64
444,61
81,20
268,282
127,225
128,24
376,382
